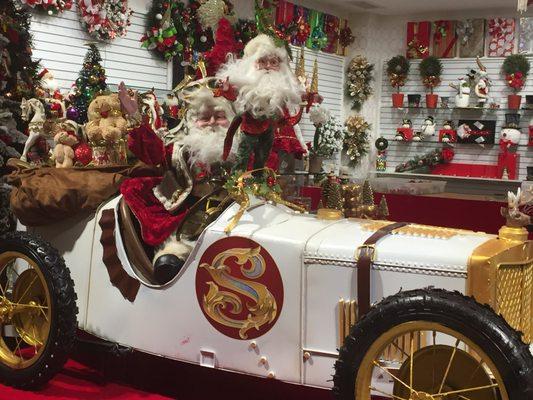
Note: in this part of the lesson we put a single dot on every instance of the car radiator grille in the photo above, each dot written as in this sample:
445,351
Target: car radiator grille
514,297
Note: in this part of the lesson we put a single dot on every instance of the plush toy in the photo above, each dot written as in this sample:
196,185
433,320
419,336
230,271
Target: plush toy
65,139
106,121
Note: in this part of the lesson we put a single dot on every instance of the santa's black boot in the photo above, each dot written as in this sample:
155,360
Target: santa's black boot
167,267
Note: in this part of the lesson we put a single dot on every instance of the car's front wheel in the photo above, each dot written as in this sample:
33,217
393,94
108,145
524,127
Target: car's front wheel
37,311
433,345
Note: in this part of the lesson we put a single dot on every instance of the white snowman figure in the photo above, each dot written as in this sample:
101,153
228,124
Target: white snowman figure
510,134
462,98
406,123
428,129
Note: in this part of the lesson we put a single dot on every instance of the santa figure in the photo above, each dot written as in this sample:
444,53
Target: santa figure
266,95
193,163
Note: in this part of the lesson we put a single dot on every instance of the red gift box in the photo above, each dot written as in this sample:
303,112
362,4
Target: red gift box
448,132
285,13
407,133
331,28
501,33
418,35
444,39
508,161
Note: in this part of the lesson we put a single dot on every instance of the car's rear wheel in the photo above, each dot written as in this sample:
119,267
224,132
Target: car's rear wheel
37,311
433,345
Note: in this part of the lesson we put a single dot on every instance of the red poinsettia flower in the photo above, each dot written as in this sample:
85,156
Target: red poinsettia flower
447,154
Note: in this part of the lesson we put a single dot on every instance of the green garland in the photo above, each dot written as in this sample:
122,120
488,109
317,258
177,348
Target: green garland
423,164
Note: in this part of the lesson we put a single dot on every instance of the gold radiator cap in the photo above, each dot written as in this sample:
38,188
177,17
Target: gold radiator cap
329,213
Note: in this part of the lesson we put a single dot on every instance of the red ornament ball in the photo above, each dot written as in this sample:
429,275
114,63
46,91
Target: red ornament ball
83,154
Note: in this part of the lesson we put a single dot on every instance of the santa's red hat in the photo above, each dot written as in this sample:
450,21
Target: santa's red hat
43,73
225,44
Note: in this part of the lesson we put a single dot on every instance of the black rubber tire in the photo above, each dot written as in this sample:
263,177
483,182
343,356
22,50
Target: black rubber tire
463,314
63,327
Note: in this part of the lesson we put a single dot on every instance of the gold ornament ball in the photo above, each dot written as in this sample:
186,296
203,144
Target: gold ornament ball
93,79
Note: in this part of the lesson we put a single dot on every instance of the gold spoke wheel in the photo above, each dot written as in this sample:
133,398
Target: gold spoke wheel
25,310
431,371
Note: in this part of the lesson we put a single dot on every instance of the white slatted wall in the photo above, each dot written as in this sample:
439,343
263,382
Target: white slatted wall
59,44
391,118
330,84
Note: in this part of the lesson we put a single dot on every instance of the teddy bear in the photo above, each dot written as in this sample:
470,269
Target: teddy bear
106,121
65,139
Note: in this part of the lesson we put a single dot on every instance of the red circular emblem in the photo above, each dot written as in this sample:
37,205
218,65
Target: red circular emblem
239,288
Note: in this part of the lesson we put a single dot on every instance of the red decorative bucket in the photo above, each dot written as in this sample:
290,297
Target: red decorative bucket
431,100
397,100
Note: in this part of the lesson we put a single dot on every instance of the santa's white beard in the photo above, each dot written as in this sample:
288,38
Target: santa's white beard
205,145
262,93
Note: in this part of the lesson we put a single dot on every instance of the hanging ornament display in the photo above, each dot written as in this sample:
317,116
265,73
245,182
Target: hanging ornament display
51,7
356,139
105,20
303,30
359,76
318,38
346,38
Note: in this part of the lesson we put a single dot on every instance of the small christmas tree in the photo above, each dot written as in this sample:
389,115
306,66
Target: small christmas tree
383,208
367,194
91,82
332,193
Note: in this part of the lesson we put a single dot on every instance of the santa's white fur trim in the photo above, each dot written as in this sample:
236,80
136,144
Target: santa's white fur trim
263,45
175,247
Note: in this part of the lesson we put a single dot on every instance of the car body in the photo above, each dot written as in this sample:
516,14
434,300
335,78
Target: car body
293,314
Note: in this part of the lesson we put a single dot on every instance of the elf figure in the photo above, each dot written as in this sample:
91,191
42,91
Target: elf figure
265,94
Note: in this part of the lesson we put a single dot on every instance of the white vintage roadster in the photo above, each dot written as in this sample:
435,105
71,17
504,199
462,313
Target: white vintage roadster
285,296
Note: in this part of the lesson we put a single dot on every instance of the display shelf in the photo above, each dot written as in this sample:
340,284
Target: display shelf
409,175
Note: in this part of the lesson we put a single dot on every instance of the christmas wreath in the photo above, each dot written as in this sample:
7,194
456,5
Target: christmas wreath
428,160
105,20
356,139
516,68
358,81
175,30
397,70
50,6
381,144
430,70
